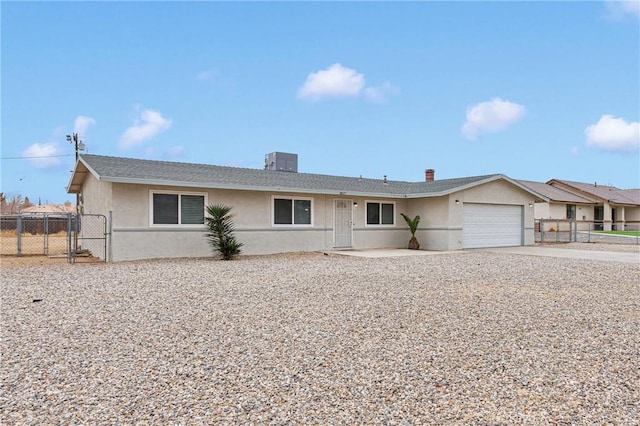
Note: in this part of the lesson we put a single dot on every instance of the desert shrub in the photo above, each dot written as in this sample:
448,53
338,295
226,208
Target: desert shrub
220,224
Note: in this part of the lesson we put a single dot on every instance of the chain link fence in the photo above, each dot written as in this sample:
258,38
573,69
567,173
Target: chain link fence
583,231
53,234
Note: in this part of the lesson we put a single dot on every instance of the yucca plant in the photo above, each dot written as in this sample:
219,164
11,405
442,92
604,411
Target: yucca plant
221,227
413,227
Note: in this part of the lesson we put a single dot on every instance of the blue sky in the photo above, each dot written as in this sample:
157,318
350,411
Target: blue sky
533,90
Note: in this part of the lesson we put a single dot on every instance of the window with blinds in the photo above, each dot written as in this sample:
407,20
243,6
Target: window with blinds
177,208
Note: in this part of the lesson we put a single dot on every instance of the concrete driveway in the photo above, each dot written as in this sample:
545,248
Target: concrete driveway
609,256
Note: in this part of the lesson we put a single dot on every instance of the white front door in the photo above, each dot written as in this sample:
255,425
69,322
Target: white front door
342,222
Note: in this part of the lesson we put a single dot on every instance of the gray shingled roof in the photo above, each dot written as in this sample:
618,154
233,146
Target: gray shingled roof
555,194
603,192
151,172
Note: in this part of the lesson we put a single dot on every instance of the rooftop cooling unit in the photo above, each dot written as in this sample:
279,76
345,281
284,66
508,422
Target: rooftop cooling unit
281,161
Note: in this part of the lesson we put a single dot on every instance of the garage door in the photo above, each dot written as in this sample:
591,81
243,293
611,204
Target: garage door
491,225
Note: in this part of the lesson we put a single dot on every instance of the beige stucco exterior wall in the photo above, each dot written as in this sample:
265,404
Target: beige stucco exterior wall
434,231
559,211
379,236
96,200
133,237
96,196
496,192
632,214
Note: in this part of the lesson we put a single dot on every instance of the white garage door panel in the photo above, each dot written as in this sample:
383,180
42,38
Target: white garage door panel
491,225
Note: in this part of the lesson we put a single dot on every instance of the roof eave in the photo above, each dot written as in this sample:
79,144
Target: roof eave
282,189
538,197
80,171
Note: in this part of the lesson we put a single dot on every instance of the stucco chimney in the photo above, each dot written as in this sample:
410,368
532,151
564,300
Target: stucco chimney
429,175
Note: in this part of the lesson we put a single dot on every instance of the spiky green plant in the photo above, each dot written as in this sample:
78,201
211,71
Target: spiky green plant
219,221
413,227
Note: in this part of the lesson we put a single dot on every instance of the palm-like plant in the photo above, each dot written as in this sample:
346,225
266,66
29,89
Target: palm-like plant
220,224
413,227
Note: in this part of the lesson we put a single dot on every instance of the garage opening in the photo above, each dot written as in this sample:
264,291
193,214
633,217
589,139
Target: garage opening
492,225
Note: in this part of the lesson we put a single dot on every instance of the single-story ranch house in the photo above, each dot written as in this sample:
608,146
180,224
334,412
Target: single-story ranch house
608,207
156,208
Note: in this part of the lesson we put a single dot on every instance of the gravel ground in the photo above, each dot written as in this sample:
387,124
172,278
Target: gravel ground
462,338
623,248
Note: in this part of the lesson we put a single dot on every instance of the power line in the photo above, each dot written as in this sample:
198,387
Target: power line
40,156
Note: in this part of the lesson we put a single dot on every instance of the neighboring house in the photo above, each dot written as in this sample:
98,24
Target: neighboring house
613,206
561,204
51,208
156,208
606,206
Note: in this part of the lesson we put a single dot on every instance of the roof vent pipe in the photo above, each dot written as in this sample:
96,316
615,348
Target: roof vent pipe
429,175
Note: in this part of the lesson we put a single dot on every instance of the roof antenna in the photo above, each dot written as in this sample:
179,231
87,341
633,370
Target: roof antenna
385,179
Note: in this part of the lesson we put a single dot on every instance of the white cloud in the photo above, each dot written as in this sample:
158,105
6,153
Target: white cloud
335,81
491,116
614,134
43,155
146,126
379,94
618,8
82,124
175,151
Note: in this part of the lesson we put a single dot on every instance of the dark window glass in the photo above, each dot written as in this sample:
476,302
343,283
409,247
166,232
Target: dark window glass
387,214
571,211
192,209
165,209
302,212
282,211
373,213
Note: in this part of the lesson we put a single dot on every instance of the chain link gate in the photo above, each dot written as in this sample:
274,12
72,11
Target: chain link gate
54,235
88,237
35,234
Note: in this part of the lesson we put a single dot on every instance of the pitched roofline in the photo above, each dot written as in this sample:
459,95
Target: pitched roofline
551,193
567,184
617,192
541,197
490,178
79,175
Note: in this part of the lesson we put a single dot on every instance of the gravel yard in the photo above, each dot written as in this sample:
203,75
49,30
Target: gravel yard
459,338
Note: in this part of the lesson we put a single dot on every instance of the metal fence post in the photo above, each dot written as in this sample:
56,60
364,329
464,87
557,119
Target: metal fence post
19,235
45,230
109,238
69,237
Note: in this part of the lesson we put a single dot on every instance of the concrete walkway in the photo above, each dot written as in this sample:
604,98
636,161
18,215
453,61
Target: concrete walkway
390,252
608,256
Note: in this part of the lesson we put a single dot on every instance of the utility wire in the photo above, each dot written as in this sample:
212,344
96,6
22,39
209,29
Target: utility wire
41,156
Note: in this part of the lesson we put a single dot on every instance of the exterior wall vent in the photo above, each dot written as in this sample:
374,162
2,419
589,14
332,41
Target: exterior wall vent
281,161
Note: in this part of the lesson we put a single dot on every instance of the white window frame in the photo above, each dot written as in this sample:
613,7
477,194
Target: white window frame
379,225
293,199
152,192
